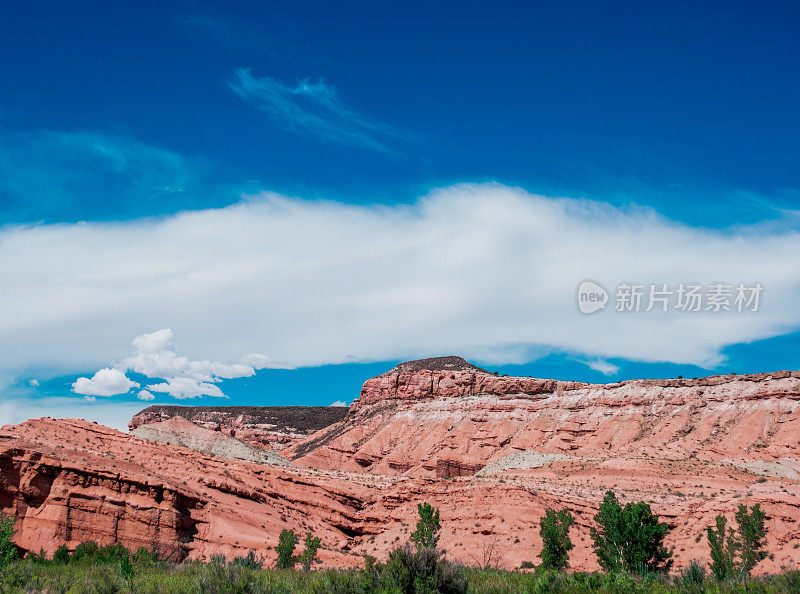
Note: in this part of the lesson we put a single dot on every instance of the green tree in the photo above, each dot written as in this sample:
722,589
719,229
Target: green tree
643,550
287,541
8,550
554,530
309,551
608,537
752,536
630,538
426,536
723,545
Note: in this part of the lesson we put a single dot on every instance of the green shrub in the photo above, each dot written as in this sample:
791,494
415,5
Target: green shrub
84,552
8,550
423,570
126,568
144,557
554,529
694,574
249,561
61,556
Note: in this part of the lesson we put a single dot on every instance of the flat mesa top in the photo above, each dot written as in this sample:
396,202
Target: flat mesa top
451,363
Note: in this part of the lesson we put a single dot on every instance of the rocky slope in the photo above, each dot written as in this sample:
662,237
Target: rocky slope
181,432
69,481
425,419
272,427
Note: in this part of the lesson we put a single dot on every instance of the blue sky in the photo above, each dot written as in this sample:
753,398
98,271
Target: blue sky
120,126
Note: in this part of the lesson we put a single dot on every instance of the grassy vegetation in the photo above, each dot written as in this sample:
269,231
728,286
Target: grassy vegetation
160,577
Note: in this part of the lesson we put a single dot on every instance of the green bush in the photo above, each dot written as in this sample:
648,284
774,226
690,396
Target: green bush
8,550
694,574
61,555
249,561
423,570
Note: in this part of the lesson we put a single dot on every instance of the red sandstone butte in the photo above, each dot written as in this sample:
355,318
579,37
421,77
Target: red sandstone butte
690,448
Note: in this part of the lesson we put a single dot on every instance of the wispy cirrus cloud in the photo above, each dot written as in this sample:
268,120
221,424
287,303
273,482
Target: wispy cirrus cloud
82,175
315,109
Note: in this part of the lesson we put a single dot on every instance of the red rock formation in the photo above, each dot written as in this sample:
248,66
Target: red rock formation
423,419
691,448
271,427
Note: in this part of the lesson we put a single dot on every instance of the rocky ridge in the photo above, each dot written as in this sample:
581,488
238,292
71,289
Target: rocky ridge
271,427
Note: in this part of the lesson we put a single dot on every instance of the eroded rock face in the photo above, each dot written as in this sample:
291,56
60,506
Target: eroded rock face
178,431
68,481
271,427
422,419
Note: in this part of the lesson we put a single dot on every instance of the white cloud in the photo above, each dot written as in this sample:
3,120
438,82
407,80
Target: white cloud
155,358
338,403
186,387
604,367
33,383
485,271
314,108
106,382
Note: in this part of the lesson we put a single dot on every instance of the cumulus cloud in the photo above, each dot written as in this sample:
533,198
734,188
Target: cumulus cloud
485,271
314,108
106,382
154,357
338,403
